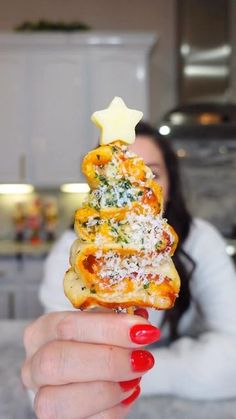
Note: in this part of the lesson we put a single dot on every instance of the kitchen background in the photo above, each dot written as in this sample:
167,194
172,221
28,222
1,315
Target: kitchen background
174,60
150,53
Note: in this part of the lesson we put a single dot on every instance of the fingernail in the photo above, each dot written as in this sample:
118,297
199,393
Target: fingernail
128,385
133,397
142,312
144,334
141,361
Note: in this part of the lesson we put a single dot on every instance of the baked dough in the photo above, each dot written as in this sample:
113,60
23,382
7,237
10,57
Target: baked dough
122,257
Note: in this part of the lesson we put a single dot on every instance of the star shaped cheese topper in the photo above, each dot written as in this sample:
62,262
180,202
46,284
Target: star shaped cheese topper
117,122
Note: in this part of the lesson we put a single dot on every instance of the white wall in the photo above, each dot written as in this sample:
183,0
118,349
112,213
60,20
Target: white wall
150,15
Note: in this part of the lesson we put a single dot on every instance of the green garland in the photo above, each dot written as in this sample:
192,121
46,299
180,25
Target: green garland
47,26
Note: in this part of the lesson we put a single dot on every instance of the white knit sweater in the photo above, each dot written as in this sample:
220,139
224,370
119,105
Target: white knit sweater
201,364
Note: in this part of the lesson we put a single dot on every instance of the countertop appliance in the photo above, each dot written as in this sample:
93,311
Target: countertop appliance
215,121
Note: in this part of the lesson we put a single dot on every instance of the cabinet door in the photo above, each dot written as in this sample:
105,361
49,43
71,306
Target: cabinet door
118,72
6,304
13,135
26,302
59,117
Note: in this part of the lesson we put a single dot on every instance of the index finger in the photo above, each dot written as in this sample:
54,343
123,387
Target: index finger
90,327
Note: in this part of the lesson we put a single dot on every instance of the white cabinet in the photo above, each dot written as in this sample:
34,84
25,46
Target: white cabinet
50,85
19,288
5,304
119,72
129,78
13,117
58,117
26,302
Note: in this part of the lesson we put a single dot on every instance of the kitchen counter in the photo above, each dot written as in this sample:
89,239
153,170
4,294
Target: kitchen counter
14,403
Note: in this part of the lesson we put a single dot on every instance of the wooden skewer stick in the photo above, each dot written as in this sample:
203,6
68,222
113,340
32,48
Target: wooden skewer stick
130,310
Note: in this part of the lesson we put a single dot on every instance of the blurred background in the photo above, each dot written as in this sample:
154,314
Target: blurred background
60,60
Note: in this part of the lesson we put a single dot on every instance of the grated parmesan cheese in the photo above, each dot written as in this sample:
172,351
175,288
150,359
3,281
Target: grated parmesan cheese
130,154
141,268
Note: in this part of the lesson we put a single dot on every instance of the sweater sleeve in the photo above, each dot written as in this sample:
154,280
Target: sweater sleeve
51,292
203,367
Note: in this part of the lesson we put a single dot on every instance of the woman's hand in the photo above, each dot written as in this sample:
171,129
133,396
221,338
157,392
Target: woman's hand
86,365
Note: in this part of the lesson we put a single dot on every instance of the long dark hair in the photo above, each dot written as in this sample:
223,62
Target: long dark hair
179,217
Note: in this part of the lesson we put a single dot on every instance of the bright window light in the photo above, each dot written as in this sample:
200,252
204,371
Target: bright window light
181,152
231,250
213,71
16,188
75,188
164,130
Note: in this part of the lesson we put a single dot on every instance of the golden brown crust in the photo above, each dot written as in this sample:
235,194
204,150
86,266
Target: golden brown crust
80,295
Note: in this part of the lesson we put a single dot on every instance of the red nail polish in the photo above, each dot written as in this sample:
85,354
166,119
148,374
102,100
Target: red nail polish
128,385
142,312
141,361
144,334
133,397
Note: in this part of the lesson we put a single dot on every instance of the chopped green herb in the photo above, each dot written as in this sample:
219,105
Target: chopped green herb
103,179
125,183
159,244
131,197
93,291
114,230
145,286
109,202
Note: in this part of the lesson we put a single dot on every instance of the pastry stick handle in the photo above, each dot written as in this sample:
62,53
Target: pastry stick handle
130,310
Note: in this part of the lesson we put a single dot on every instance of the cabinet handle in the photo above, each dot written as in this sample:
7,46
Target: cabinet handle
79,166
11,306
2,274
22,167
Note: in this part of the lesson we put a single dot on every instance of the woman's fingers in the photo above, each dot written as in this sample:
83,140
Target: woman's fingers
142,312
62,362
42,330
74,356
103,328
117,412
73,401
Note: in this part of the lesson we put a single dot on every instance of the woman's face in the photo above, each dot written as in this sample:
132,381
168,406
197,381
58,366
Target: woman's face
146,148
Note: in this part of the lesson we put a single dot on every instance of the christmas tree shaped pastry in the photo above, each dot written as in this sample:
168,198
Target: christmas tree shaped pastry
122,257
